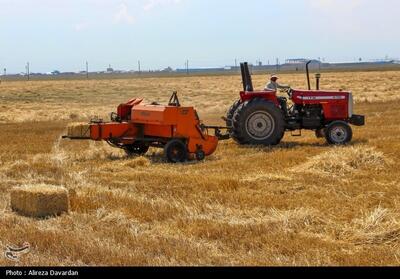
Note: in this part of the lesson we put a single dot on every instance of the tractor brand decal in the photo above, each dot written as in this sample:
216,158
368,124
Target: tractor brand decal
322,98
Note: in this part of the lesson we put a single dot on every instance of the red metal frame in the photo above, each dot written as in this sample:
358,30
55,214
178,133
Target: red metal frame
269,95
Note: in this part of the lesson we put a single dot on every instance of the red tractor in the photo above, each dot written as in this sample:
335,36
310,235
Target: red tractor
261,117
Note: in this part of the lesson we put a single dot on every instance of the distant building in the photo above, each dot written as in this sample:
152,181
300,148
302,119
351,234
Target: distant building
297,61
109,69
200,70
168,70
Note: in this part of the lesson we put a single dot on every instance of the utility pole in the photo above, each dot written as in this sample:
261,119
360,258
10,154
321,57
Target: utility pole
277,64
87,70
27,71
235,63
139,67
187,67
4,75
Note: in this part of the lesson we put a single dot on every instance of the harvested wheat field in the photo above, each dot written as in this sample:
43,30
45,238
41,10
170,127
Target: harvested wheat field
301,203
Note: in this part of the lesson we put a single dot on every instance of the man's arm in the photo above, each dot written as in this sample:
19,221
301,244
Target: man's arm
280,86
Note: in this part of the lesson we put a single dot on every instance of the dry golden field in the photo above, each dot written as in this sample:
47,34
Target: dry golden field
300,203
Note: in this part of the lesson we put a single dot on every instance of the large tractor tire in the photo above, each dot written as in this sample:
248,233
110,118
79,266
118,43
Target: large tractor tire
229,119
231,112
258,122
338,133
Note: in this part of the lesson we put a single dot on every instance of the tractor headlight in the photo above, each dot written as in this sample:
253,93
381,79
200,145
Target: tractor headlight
351,102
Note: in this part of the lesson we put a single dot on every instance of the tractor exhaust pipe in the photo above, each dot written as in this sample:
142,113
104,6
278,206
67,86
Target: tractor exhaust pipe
244,81
308,75
317,79
246,77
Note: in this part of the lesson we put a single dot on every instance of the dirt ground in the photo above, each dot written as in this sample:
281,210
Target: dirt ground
300,203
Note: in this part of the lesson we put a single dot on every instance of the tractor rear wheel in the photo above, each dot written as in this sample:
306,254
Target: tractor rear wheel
258,121
229,119
231,112
338,132
137,148
175,151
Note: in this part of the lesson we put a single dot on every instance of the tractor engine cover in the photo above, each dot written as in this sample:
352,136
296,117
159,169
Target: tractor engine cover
335,104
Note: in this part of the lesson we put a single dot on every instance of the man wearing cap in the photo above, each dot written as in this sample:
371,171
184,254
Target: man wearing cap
274,85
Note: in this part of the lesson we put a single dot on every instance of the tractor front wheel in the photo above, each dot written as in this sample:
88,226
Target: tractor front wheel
175,151
339,133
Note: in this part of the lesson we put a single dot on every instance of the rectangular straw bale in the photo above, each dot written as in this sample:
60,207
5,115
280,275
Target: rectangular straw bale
39,200
79,130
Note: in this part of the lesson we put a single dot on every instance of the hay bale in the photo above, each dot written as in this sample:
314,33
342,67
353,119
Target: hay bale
39,200
341,161
79,130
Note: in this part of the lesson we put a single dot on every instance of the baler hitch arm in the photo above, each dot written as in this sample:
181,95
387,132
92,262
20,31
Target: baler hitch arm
217,131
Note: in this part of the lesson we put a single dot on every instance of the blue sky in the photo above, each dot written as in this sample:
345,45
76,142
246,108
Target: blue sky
63,34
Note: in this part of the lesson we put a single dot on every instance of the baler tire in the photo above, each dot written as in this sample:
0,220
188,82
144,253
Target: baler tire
264,114
200,155
137,148
341,136
175,151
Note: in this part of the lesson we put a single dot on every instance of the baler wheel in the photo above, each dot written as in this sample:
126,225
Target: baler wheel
137,148
339,133
258,121
200,155
175,151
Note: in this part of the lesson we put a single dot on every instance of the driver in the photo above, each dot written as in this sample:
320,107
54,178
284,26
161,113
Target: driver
274,85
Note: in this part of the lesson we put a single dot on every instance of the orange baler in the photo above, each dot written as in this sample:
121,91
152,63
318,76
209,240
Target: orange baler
136,126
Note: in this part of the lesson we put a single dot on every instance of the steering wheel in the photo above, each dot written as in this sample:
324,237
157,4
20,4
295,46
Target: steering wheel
288,91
